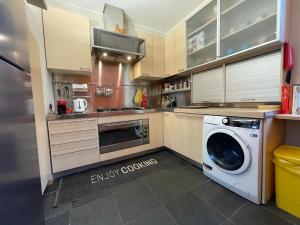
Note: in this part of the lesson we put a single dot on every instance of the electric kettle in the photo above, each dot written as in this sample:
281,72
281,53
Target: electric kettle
80,105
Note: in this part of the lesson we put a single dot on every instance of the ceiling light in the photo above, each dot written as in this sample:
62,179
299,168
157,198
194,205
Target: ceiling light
105,54
3,37
129,58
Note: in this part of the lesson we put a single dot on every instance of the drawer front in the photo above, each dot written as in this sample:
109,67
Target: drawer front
67,126
74,146
73,160
73,137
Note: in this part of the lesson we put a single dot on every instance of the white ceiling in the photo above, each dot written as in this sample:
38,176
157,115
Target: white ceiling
160,15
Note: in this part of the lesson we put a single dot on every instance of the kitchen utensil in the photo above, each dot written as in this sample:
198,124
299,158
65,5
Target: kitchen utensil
67,91
61,106
80,105
200,40
287,90
288,61
285,99
138,97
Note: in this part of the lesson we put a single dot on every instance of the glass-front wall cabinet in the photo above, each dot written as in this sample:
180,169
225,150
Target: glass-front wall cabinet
246,23
202,35
226,27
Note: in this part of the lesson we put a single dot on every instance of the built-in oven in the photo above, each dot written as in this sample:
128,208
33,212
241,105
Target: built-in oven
121,135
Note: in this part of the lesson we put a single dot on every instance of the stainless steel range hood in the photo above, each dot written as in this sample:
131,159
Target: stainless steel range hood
111,46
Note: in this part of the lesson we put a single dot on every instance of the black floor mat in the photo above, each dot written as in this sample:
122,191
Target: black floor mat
96,183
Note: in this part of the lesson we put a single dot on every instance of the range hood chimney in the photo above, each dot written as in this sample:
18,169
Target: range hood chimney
112,43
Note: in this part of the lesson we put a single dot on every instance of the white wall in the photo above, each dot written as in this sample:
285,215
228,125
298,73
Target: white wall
34,20
34,17
293,127
97,19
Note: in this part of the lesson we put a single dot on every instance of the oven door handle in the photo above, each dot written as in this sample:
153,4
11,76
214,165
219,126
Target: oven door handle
107,126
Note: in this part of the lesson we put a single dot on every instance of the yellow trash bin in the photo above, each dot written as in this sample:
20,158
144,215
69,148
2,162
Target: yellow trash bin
287,177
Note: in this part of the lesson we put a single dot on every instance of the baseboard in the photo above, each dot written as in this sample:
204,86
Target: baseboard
199,165
105,163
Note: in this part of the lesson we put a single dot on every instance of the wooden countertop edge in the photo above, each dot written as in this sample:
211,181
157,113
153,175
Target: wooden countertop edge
252,113
288,117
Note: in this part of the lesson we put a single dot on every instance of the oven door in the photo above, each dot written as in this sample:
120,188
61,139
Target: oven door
122,135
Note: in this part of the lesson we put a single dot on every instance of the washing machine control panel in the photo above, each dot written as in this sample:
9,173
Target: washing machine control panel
242,122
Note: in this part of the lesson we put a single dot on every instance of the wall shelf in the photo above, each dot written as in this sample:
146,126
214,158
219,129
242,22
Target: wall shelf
176,91
248,26
202,27
233,7
204,47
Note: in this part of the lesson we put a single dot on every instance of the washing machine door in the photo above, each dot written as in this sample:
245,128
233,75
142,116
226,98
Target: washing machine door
228,151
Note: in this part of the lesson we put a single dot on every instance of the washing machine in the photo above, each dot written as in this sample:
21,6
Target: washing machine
232,154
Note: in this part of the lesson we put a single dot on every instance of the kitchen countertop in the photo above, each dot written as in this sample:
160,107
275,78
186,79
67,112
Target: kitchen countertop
219,111
238,112
99,114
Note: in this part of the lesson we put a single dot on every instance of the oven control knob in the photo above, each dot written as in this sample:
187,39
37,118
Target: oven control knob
225,121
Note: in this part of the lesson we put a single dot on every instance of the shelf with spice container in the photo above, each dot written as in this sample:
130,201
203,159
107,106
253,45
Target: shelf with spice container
177,90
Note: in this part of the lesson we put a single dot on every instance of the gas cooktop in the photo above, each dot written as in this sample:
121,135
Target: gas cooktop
119,109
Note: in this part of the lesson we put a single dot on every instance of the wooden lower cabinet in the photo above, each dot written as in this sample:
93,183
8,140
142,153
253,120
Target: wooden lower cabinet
156,130
74,143
169,131
188,136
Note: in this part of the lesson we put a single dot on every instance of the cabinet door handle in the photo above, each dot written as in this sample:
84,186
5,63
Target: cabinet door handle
189,115
70,153
248,99
84,69
181,70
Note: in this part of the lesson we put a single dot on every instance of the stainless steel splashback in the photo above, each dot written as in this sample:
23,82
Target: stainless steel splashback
116,76
111,75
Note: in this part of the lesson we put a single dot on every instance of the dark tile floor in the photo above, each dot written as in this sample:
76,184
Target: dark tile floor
171,192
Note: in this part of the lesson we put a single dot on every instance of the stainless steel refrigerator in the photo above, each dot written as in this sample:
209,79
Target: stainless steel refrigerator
20,188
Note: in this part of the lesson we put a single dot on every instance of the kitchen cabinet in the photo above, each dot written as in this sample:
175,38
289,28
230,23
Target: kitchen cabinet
248,23
226,28
74,143
38,3
209,86
169,54
188,136
153,64
156,122
67,42
255,80
169,130
180,48
175,50
202,35
158,56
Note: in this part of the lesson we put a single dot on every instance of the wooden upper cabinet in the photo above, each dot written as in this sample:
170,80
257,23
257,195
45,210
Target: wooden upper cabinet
169,54
153,65
144,67
158,56
67,42
180,48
